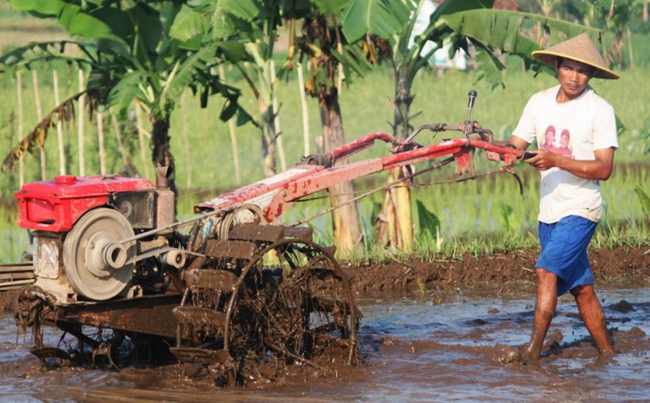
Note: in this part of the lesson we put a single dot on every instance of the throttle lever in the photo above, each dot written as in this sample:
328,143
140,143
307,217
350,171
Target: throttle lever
471,100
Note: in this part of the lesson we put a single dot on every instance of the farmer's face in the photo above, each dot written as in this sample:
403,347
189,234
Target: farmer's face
573,77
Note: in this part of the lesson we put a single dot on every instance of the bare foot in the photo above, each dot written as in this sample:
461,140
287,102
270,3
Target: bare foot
519,355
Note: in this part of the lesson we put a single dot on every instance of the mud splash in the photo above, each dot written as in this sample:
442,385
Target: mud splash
414,350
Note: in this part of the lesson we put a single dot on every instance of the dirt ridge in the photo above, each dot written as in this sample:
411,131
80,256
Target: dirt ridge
503,274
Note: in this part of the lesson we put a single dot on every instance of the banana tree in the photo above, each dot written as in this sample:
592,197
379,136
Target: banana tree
132,57
614,16
462,23
253,25
323,44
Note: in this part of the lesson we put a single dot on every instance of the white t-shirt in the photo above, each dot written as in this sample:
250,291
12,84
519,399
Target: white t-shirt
575,129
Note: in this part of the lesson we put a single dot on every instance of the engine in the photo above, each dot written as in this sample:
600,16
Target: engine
80,225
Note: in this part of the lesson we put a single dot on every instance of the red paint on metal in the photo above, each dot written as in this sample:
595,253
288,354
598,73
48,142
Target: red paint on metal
259,188
55,205
463,161
363,142
309,179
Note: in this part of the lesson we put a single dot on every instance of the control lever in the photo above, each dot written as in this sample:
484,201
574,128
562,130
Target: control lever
471,100
528,155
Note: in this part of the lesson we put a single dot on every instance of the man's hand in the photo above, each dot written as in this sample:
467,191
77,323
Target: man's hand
598,169
544,160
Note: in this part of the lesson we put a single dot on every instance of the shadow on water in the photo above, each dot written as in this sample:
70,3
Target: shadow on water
414,350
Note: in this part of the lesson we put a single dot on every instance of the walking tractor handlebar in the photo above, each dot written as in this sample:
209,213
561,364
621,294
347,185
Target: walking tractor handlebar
49,206
108,254
318,172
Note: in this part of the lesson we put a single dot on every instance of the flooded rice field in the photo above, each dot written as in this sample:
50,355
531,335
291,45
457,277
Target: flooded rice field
414,350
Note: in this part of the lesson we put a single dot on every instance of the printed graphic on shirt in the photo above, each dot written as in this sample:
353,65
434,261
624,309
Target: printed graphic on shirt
563,148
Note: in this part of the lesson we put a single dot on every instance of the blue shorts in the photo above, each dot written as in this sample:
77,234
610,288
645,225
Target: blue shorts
564,251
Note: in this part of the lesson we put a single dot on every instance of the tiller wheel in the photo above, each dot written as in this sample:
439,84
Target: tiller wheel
292,301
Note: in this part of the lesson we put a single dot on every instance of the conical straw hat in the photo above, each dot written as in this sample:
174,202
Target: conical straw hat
580,49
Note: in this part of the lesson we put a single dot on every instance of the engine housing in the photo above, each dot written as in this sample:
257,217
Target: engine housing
52,209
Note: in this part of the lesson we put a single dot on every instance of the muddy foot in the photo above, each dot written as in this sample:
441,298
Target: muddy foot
517,355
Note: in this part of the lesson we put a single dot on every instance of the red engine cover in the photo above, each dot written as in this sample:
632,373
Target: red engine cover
55,205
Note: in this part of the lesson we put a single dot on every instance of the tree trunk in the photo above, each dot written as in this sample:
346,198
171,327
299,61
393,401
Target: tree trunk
347,231
276,120
396,222
162,155
269,136
232,129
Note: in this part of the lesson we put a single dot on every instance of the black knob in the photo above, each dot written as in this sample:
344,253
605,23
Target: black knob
471,98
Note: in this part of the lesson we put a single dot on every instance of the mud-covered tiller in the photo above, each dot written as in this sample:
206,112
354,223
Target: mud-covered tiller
237,289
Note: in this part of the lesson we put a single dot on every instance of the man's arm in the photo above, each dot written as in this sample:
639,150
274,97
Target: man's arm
600,168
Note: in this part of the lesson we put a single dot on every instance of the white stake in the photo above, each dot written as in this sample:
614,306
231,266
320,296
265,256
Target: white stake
19,116
141,140
100,142
59,124
305,111
186,143
80,125
39,116
118,135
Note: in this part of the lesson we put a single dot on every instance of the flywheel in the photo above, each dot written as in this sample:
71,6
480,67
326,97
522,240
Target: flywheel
85,252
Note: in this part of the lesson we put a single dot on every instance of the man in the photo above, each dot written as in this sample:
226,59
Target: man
570,204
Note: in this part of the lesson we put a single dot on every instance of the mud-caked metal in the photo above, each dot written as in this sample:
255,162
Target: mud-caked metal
236,290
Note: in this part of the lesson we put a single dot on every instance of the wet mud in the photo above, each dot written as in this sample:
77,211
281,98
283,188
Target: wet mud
412,350
449,336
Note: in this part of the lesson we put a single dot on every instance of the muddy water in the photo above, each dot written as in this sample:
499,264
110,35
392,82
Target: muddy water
414,350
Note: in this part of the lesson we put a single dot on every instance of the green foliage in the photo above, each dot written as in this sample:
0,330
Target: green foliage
429,222
331,7
506,213
353,61
384,18
457,6
497,29
73,18
644,199
490,68
189,26
123,93
247,10
468,212
138,50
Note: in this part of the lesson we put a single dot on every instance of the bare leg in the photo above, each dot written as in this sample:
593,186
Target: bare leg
545,305
593,317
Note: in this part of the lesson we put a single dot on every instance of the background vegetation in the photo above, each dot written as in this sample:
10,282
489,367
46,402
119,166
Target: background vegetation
479,217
